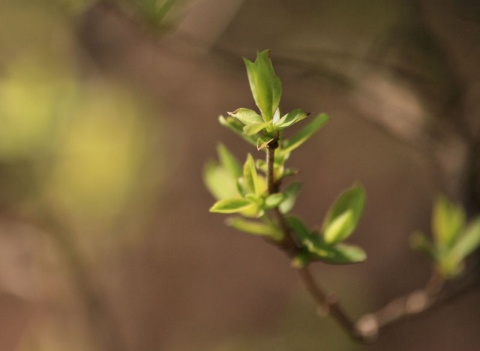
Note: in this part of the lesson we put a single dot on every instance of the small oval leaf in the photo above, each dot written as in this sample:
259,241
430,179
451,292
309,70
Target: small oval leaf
230,205
256,228
350,201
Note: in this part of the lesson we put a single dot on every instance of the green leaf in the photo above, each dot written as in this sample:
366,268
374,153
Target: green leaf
229,161
468,242
246,116
339,228
274,200
447,221
304,134
255,128
250,175
338,254
344,215
419,242
257,228
266,87
300,229
291,192
230,205
219,181
291,118
236,127
346,254
255,199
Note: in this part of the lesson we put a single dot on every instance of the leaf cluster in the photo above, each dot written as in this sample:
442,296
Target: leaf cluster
244,189
453,239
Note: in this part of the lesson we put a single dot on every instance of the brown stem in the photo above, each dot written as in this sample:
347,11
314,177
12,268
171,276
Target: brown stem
290,245
436,293
329,304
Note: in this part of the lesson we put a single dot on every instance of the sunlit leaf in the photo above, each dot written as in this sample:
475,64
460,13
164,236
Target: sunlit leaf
257,228
229,161
344,215
247,116
338,254
346,254
339,228
219,181
252,129
274,200
230,205
255,199
468,242
291,193
447,221
291,118
236,127
266,87
250,175
304,134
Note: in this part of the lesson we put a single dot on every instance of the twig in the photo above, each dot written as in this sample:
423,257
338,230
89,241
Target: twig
436,293
290,245
329,304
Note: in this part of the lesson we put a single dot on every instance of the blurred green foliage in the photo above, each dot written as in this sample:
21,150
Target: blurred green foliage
69,136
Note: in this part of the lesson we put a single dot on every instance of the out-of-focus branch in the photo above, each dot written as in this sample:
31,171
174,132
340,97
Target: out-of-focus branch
103,325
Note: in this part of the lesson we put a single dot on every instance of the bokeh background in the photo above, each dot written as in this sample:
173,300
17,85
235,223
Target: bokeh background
108,114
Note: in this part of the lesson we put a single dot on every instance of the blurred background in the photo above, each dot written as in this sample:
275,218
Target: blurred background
108,114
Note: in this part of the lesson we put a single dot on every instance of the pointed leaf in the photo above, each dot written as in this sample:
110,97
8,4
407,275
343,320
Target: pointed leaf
230,205
274,200
304,134
340,228
338,254
346,254
266,87
419,242
300,229
447,221
237,127
250,175
338,224
246,116
229,161
291,118
219,181
291,192
255,128
256,228
468,242
255,199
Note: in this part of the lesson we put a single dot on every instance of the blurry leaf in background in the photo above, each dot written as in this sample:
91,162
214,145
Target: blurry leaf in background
85,143
32,103
100,152
154,11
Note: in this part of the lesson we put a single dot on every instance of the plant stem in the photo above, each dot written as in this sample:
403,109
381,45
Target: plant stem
272,184
436,293
290,245
329,304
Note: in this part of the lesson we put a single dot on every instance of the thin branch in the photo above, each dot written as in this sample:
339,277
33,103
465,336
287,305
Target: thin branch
329,304
290,245
436,293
